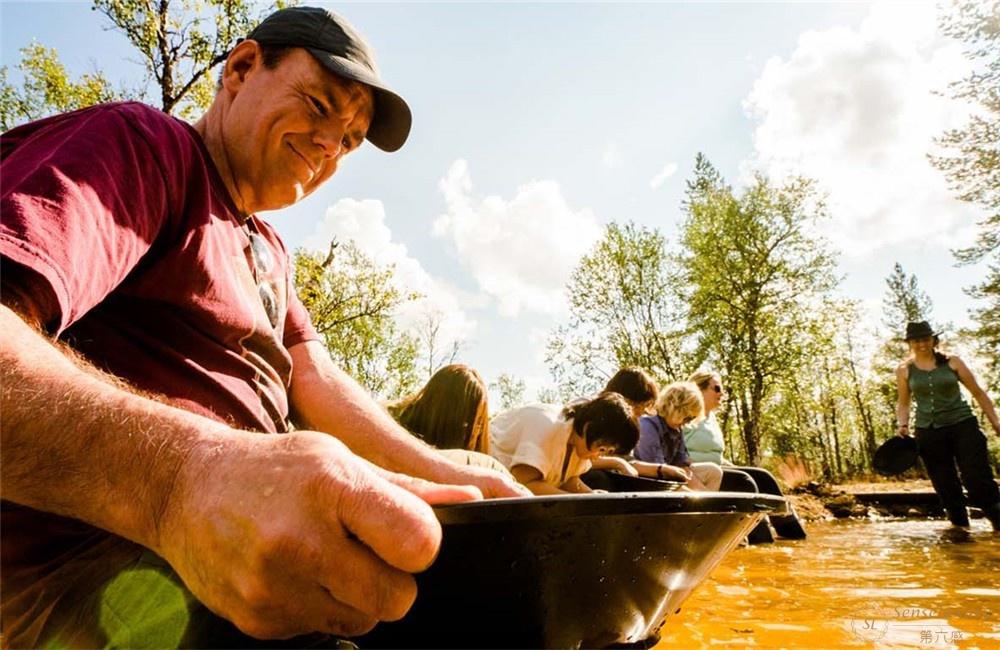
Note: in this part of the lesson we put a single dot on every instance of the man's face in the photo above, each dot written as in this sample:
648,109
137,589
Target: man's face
288,127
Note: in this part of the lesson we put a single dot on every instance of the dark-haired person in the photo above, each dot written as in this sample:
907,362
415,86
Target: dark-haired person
947,432
151,341
547,447
640,390
451,413
637,387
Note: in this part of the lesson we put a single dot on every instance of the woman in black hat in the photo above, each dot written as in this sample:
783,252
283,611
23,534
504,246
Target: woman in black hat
947,432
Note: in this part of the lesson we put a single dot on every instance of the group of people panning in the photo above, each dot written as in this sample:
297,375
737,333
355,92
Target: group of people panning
631,427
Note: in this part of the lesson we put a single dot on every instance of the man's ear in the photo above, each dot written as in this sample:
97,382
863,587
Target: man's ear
241,62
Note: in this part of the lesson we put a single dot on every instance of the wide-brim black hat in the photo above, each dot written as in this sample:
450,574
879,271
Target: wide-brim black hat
343,51
919,330
895,456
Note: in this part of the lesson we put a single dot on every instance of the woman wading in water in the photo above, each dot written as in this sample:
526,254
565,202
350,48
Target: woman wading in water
947,432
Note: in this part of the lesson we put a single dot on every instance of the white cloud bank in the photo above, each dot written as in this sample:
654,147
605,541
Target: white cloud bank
364,222
664,174
857,110
521,251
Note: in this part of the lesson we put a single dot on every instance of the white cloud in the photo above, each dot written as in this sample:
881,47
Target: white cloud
612,156
664,174
521,251
857,110
364,222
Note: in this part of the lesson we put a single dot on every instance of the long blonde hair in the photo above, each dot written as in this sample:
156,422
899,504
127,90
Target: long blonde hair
450,411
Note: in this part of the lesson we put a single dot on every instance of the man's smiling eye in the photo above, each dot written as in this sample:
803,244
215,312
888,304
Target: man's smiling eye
317,105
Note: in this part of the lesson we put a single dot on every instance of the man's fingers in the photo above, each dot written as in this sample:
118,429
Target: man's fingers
432,493
358,579
498,485
396,524
325,613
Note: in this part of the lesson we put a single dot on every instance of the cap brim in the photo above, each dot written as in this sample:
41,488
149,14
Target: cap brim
392,118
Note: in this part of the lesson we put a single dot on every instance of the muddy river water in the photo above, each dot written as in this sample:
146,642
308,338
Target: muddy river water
875,584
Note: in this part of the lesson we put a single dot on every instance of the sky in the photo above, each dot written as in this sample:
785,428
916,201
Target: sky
536,124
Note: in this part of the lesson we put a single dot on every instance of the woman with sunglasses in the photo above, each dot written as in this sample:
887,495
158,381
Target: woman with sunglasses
705,443
948,433
661,451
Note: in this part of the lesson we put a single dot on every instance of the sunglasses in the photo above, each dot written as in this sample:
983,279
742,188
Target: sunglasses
717,388
262,263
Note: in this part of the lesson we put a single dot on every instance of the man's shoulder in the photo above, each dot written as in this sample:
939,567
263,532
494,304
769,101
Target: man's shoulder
150,122
107,127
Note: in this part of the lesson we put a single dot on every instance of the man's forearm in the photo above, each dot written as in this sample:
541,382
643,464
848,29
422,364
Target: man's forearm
324,398
75,444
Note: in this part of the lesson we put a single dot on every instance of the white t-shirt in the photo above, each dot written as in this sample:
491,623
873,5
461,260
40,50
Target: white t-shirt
536,435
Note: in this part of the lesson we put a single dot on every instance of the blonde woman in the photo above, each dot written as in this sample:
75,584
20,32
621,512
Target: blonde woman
705,443
661,451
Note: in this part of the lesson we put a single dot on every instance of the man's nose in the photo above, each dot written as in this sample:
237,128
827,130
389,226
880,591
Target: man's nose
330,137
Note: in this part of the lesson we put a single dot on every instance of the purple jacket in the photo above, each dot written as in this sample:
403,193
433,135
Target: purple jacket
658,443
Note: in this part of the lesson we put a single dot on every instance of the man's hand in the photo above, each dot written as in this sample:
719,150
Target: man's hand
490,482
289,534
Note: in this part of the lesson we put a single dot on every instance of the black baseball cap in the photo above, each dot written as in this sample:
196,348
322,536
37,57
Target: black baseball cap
338,46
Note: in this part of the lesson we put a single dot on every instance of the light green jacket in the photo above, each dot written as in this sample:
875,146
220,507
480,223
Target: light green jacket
704,441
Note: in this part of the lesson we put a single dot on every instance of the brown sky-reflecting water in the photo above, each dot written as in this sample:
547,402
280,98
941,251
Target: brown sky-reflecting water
875,584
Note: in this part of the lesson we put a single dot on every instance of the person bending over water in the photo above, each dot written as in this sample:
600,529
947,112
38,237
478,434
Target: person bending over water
640,391
547,447
661,450
451,413
947,432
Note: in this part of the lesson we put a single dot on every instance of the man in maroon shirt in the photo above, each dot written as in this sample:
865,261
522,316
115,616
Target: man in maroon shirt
151,334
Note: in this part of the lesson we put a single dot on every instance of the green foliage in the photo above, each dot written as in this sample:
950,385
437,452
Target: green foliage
755,279
511,390
972,164
181,41
622,313
352,301
903,301
48,88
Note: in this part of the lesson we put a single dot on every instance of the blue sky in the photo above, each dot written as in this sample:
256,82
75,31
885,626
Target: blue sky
534,124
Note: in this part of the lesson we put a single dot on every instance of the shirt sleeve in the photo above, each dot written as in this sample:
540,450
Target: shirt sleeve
649,448
298,324
531,454
83,200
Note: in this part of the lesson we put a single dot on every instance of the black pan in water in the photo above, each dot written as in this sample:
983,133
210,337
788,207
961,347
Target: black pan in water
896,455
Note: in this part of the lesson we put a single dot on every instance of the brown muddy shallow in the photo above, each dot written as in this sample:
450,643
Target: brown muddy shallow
874,584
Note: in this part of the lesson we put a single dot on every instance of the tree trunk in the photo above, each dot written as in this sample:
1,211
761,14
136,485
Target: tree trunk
166,59
863,412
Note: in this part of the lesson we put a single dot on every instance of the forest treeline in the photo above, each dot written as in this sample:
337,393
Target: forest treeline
747,287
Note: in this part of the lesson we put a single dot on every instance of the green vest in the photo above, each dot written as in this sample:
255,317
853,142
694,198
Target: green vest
938,397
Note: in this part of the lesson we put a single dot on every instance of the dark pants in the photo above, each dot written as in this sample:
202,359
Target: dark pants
787,526
738,480
953,451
